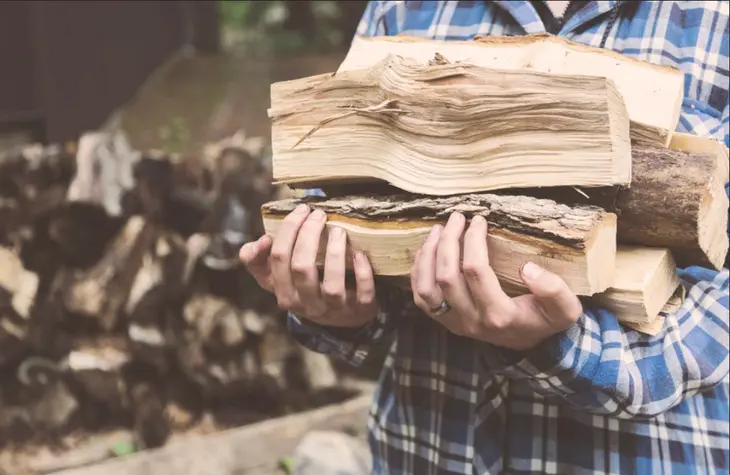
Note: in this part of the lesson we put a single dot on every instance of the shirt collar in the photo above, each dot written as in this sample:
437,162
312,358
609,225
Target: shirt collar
525,14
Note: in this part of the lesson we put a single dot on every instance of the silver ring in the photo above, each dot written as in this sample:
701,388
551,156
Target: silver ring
441,309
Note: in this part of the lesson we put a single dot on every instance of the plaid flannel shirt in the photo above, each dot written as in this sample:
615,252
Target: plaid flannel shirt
598,398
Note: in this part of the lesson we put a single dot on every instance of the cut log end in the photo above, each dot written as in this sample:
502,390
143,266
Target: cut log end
645,281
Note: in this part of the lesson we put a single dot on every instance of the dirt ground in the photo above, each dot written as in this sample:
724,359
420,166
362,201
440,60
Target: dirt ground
213,96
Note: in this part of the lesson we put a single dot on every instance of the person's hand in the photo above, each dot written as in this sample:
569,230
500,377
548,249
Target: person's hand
479,308
286,266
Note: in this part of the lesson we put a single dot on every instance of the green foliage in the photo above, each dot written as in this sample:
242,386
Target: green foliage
175,136
257,27
120,449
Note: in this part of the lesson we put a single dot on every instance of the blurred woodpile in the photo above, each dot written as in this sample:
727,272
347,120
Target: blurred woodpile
122,301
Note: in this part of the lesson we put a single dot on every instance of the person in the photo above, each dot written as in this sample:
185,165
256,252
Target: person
542,383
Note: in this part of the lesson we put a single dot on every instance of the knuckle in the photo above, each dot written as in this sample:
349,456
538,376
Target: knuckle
425,291
333,291
301,267
472,271
278,255
446,279
495,323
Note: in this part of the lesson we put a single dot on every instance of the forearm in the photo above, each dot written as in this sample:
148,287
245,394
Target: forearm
602,367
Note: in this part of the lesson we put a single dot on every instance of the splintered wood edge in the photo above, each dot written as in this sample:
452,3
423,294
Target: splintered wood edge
523,40
673,77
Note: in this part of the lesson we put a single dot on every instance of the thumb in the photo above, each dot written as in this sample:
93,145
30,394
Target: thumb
558,302
255,256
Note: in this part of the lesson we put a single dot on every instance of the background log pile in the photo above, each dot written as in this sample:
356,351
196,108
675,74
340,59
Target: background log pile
122,302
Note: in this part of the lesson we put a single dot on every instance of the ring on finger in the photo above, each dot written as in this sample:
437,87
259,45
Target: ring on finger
441,309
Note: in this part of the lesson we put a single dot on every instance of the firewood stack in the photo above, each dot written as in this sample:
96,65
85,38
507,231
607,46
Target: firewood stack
569,152
122,299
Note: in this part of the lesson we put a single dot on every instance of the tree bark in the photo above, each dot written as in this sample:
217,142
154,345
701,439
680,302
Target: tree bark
577,243
676,200
532,217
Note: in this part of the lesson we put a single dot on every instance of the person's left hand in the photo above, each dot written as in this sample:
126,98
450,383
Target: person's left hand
479,308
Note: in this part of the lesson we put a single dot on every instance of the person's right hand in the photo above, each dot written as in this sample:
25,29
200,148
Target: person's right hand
286,266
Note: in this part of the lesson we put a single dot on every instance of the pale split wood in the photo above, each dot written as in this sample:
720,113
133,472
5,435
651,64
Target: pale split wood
446,128
577,243
653,93
657,325
645,280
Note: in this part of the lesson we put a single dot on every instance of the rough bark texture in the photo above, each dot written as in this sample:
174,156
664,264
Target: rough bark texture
540,218
662,206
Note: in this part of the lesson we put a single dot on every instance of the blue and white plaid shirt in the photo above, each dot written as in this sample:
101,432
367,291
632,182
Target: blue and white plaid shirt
598,398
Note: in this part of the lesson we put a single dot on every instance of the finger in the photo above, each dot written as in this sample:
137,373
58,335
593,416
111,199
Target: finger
305,274
425,282
365,305
481,280
255,256
333,284
448,267
559,304
281,253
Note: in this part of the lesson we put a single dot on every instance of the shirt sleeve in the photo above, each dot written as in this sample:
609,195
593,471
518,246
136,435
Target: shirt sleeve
354,345
599,366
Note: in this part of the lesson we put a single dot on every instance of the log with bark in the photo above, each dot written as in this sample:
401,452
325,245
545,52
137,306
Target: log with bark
653,93
577,243
676,200
408,123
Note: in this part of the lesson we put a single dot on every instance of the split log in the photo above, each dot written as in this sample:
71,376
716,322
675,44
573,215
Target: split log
645,280
101,292
676,200
407,123
653,93
655,326
577,243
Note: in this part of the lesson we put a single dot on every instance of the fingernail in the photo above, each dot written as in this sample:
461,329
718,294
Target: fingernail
318,215
456,218
478,219
531,271
358,257
337,232
300,209
436,230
